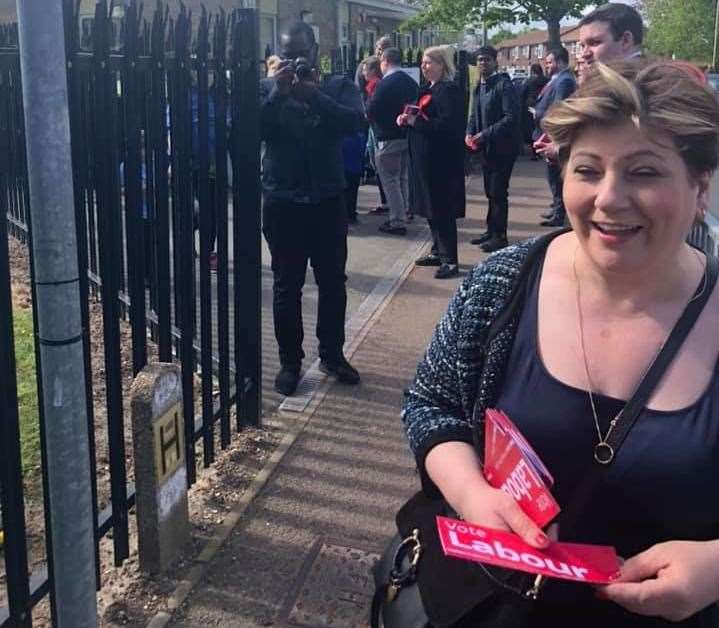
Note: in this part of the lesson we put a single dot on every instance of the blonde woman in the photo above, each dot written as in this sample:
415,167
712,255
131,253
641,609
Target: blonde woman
575,320
436,148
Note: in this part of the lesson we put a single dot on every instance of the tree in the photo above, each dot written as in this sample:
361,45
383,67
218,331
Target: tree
682,29
501,35
456,14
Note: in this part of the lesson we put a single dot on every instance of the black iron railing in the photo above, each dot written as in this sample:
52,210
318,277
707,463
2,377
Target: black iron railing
152,124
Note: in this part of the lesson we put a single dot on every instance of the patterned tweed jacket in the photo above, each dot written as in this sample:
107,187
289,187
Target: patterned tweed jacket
463,369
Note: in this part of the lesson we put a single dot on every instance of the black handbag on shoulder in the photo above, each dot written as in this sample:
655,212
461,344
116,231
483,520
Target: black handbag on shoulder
417,586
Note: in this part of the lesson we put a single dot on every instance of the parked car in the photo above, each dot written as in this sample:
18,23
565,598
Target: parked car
517,74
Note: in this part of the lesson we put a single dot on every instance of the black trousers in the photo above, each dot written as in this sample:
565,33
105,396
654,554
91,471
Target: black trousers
554,176
206,217
497,174
351,190
444,238
296,234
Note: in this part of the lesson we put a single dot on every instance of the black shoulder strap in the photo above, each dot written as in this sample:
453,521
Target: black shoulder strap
636,404
656,371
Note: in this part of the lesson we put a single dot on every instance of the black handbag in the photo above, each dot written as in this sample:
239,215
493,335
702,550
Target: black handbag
417,586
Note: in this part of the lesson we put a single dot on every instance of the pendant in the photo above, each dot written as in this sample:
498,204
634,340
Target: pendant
603,452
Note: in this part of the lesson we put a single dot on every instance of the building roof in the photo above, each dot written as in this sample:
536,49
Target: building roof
537,36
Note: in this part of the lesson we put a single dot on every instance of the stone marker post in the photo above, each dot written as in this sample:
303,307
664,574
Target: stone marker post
160,473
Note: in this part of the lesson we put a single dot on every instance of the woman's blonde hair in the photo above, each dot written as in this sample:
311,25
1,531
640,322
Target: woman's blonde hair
444,55
272,62
660,96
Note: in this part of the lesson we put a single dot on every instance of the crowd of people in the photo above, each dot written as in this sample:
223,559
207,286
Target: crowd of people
630,145
415,137
320,136
593,338
562,332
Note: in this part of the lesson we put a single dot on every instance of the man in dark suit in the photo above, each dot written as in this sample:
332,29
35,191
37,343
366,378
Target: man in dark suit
561,85
394,91
304,217
494,128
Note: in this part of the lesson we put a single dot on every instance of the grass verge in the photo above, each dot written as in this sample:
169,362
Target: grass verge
27,390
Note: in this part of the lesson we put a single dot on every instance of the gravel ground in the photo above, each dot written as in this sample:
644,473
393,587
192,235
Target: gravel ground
129,597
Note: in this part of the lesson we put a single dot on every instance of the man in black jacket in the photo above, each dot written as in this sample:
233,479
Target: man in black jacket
394,91
495,129
304,217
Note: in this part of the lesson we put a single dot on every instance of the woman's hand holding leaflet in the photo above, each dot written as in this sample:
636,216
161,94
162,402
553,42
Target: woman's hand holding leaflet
455,469
494,508
672,580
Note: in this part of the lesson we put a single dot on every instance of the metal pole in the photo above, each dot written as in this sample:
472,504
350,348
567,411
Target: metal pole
716,32
44,83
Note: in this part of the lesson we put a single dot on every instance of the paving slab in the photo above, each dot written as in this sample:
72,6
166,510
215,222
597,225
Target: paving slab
300,555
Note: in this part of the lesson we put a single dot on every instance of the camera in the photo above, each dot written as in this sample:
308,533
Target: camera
302,68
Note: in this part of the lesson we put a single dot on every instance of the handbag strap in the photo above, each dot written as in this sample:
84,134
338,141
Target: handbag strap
632,410
683,326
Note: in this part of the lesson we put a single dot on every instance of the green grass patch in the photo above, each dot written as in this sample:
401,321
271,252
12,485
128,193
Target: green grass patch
27,390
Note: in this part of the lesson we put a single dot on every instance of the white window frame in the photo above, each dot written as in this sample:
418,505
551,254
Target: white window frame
273,43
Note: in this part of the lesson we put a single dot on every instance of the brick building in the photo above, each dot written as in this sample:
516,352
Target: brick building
335,22
520,52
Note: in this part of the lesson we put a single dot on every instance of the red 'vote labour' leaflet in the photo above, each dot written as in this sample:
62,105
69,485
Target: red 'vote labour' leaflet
511,464
596,564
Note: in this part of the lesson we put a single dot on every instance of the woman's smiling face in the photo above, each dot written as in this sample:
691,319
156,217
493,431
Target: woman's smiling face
630,197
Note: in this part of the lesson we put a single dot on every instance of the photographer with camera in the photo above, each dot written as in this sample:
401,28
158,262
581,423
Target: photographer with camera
304,216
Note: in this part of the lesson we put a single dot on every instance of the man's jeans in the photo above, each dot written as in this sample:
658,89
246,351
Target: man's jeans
392,159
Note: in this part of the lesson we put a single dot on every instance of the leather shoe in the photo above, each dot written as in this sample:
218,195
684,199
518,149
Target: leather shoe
486,236
393,230
554,221
496,243
380,210
287,380
445,271
428,260
341,370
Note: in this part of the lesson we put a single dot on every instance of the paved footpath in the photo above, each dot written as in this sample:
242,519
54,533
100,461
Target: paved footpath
300,552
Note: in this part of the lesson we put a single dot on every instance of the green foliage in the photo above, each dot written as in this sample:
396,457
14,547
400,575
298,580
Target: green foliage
501,35
456,14
325,65
27,390
684,29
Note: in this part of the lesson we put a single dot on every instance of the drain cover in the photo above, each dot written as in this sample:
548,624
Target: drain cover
337,591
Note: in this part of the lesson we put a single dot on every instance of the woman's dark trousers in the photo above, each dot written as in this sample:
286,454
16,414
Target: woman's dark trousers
497,172
444,238
298,233
351,191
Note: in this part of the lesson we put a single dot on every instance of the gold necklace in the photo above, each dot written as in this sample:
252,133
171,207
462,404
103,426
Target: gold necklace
603,451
